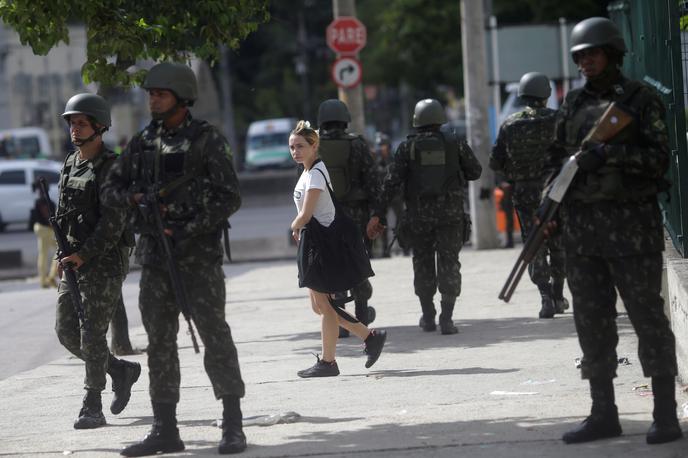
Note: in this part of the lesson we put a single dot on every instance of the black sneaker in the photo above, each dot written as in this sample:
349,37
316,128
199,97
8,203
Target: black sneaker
373,346
320,369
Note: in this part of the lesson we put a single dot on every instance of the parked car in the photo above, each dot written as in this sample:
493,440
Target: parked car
25,143
267,144
16,194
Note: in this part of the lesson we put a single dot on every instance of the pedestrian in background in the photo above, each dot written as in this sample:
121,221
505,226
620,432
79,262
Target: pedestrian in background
432,167
383,156
47,267
520,154
99,247
355,183
191,161
613,233
313,200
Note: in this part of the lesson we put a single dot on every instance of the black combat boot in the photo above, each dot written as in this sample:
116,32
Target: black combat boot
364,313
665,427
124,374
603,421
547,309
446,322
427,321
560,302
233,438
163,436
91,413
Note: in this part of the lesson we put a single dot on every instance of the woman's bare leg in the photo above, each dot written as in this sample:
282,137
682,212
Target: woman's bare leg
360,330
329,327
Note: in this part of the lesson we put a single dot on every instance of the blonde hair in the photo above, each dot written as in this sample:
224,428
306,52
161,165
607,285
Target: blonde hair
304,129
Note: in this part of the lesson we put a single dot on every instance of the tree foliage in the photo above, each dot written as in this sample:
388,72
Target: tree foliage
120,32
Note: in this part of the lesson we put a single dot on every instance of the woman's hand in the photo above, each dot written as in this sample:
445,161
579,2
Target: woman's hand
296,235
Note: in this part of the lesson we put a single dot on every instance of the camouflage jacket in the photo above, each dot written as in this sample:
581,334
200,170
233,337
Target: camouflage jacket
448,207
192,166
613,211
521,148
93,229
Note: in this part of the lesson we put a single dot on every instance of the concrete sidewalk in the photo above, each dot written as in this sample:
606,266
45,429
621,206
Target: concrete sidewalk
505,386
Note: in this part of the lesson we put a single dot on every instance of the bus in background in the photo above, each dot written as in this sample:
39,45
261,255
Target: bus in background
25,143
267,144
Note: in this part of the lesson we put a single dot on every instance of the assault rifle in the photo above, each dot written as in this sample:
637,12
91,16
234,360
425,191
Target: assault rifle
62,251
150,209
612,121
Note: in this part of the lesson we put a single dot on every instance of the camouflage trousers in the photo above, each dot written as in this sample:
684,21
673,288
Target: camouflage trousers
360,214
593,282
99,295
550,261
205,288
436,263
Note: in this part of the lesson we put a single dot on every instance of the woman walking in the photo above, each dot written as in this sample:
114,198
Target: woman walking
313,199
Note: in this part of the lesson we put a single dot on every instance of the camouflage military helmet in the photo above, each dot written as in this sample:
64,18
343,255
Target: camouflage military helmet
596,32
428,112
91,105
333,110
534,85
175,77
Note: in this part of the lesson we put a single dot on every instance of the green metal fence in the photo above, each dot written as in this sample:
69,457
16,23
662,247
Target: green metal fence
657,56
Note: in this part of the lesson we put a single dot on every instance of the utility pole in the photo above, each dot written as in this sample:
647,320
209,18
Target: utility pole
228,106
352,97
476,92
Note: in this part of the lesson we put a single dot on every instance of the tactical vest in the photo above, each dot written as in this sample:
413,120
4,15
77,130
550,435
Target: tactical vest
529,135
336,154
434,167
608,183
79,204
176,170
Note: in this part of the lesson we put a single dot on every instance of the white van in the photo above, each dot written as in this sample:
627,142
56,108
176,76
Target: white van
267,144
25,143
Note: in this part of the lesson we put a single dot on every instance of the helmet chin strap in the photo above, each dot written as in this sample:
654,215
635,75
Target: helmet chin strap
83,141
165,115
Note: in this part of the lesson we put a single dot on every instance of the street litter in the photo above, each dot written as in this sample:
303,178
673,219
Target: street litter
624,361
513,393
577,362
269,420
643,386
538,382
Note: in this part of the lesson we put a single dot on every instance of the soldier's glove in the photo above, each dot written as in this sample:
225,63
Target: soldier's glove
592,157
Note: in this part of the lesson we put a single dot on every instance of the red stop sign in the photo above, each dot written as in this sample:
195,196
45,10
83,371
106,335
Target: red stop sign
346,35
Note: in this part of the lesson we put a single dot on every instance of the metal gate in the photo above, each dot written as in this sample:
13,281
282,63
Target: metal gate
657,56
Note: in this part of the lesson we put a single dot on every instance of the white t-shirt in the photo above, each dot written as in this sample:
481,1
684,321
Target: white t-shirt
309,179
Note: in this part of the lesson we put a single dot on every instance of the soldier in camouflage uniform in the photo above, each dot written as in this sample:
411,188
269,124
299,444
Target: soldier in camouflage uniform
612,231
189,163
520,154
354,180
383,155
99,245
433,167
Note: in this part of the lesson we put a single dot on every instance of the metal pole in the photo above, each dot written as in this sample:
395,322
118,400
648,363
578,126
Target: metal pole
496,89
564,40
352,97
476,91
